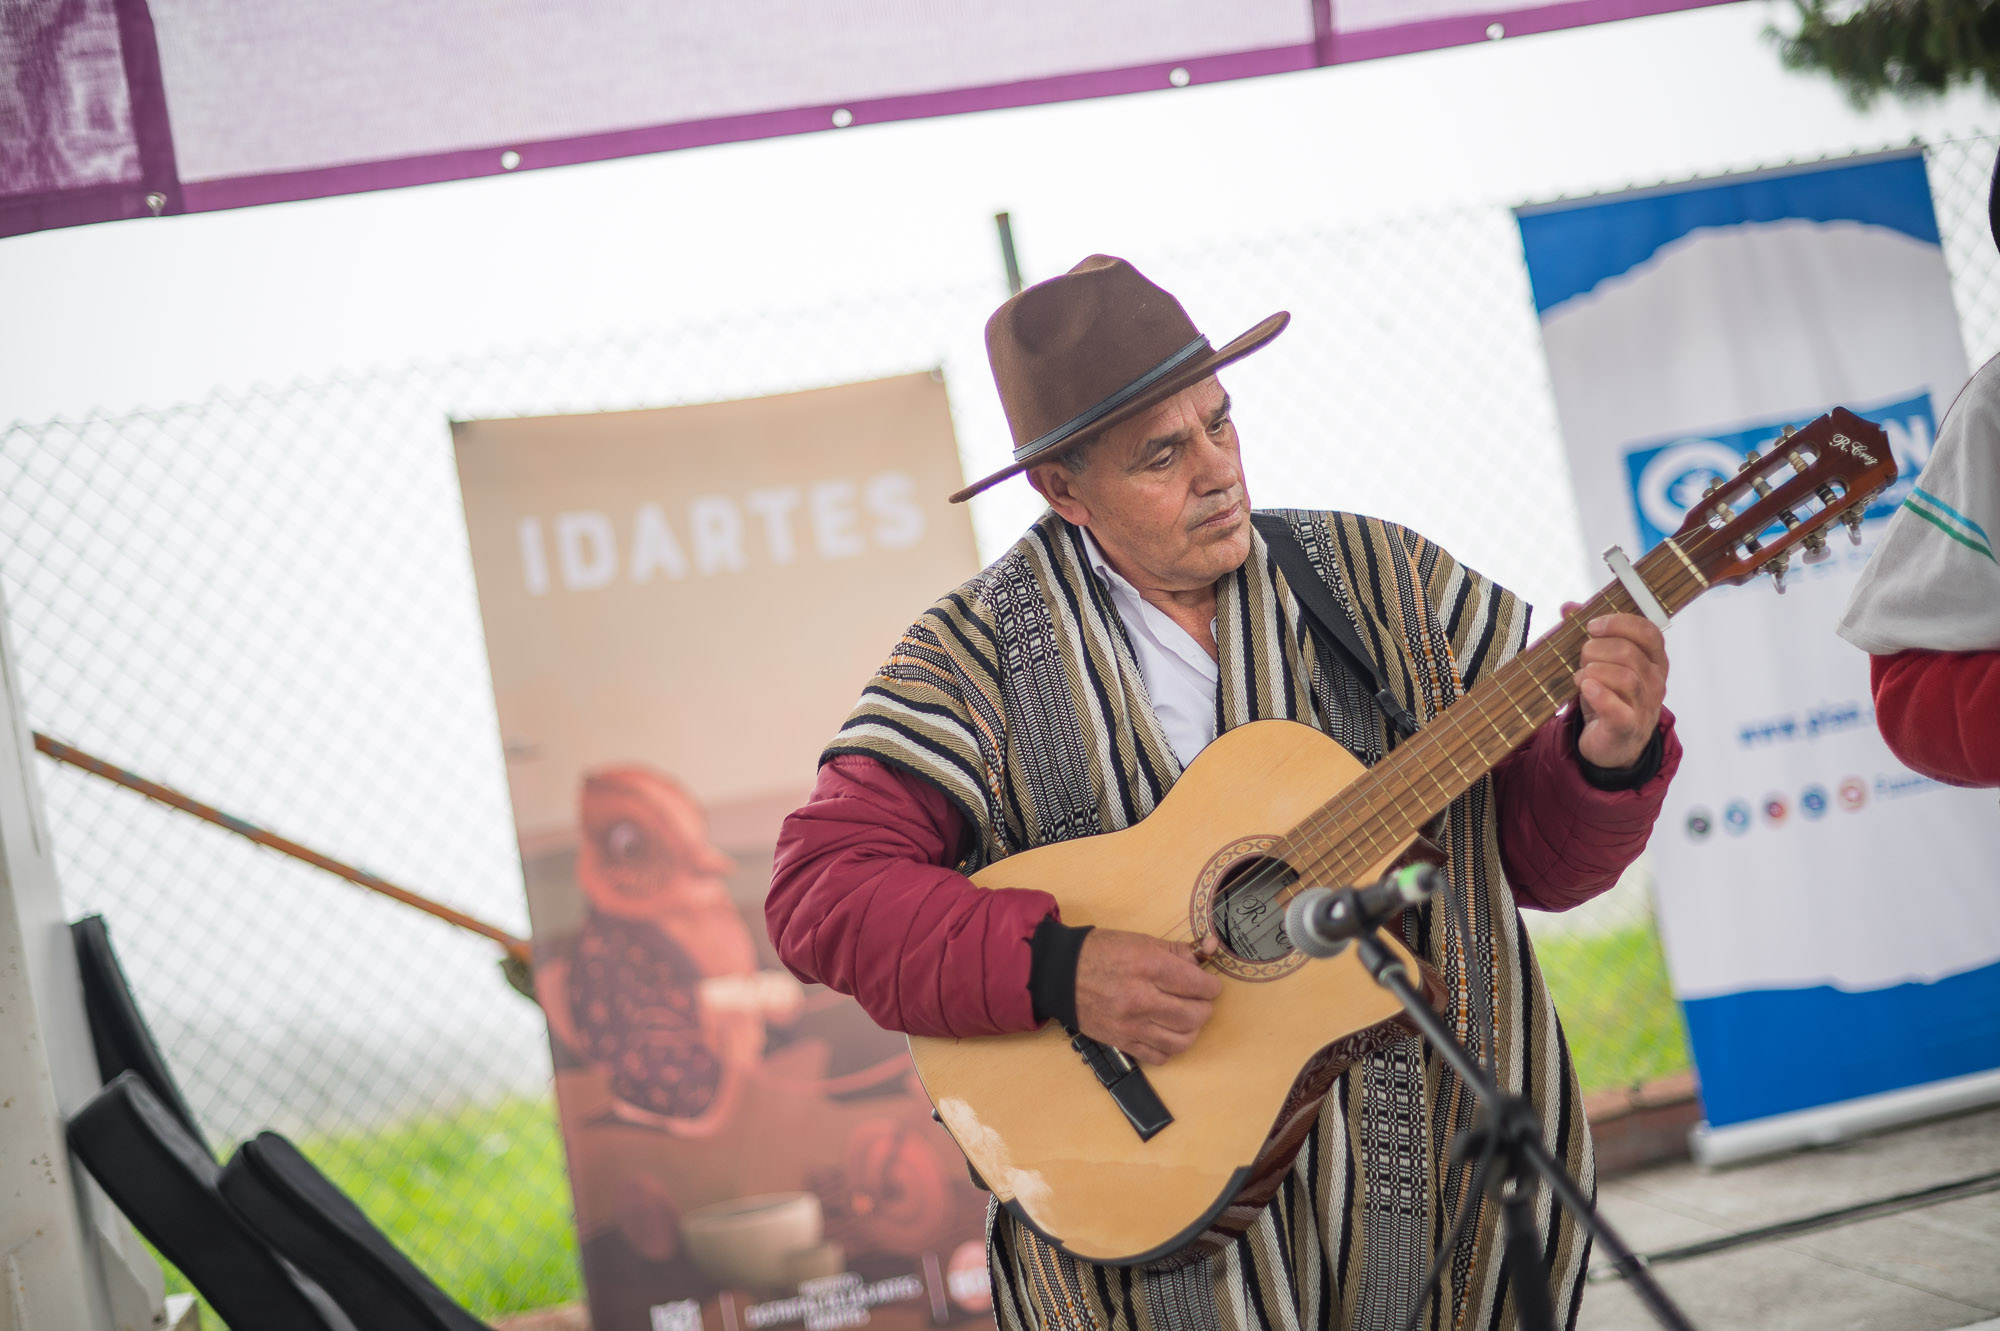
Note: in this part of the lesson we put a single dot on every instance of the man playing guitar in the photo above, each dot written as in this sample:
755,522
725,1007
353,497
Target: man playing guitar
1060,694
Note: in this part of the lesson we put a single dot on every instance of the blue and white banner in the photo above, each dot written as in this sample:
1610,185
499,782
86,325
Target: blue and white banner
1830,918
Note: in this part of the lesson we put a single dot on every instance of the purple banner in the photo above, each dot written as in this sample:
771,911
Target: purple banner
121,108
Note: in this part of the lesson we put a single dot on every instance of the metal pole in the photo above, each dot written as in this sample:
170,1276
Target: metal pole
1007,253
517,948
67,1258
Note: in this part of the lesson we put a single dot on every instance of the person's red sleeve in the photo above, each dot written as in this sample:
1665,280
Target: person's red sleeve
862,901
1562,839
1940,713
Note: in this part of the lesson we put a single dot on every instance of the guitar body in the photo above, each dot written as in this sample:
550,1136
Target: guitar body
1035,1121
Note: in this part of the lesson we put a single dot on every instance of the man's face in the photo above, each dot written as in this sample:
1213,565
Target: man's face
1163,493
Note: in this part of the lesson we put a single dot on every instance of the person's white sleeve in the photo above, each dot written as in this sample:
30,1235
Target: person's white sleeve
1934,583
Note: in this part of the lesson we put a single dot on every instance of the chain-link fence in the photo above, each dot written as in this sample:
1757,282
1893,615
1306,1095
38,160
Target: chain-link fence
267,600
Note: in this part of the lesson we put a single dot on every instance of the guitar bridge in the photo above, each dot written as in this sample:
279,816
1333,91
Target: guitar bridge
1126,1080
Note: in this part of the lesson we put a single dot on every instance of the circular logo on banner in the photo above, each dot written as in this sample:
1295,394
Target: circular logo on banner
1775,809
1699,825
1674,478
1736,816
1853,793
1813,802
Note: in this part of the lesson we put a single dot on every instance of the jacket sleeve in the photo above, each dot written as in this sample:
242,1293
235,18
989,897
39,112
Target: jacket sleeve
1940,713
863,902
1562,839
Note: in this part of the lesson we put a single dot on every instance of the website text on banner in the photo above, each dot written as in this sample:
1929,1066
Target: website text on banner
1828,915
677,604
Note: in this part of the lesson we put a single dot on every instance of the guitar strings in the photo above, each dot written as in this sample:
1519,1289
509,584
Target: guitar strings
1373,799
1562,642
1379,797
1567,637
1366,801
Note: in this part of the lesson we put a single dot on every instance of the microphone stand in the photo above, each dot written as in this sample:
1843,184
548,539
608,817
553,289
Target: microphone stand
1511,1131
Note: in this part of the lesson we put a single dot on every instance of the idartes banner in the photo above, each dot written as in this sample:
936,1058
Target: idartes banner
678,605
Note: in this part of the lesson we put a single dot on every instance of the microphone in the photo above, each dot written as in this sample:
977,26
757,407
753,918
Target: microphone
1321,920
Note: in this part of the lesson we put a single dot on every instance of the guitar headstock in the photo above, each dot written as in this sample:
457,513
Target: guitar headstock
1787,497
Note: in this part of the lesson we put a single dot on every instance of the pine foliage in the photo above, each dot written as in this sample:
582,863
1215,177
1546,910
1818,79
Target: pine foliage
1908,48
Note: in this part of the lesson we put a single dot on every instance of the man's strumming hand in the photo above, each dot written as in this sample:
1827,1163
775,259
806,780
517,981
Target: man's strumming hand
1621,684
1142,994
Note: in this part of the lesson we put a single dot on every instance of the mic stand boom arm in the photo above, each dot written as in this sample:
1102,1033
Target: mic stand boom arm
1518,1145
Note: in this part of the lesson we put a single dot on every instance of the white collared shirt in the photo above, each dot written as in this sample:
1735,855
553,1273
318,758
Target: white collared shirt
1180,678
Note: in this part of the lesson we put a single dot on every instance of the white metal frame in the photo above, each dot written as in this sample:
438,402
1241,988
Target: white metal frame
68,1260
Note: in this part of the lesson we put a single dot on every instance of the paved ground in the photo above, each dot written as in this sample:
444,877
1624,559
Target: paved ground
1934,1267
1919,1270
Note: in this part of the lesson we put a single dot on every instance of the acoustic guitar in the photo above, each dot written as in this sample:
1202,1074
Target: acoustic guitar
1125,1165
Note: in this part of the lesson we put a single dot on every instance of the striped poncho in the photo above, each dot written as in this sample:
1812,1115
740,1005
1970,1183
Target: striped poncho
1019,697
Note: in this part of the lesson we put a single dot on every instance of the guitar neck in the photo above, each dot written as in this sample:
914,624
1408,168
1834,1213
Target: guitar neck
1380,812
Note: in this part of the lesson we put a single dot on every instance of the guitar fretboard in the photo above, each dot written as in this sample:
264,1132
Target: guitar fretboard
1378,813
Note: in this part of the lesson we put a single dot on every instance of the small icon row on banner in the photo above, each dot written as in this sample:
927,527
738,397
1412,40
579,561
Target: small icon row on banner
1813,803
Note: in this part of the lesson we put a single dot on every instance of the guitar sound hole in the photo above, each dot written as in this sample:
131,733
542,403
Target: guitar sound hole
1249,921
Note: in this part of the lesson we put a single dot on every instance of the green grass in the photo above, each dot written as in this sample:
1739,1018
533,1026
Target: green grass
478,1198
1617,1008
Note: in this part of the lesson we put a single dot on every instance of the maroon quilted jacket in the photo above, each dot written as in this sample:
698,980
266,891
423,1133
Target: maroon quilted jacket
862,901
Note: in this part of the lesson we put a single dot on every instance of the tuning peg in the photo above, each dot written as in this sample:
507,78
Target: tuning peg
1788,432
1777,569
1816,551
1750,459
1852,517
1785,515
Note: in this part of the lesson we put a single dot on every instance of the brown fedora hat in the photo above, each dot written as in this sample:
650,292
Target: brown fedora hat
1079,353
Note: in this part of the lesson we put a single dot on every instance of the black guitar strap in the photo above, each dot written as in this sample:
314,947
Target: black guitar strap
1328,621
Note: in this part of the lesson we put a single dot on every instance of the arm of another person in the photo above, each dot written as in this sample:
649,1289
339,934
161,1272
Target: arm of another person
863,901
1926,609
1579,800
1940,713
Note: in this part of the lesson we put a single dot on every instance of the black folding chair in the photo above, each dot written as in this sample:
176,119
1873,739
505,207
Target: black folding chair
165,1182
269,1241
119,1033
306,1217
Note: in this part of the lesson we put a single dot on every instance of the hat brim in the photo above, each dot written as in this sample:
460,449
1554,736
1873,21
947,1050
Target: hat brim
1185,377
